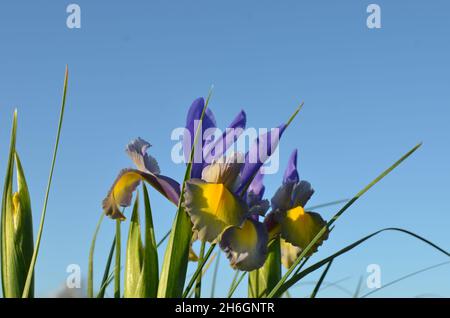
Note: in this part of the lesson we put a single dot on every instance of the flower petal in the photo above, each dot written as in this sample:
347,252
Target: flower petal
289,253
225,171
299,228
291,173
255,191
217,148
259,152
245,245
137,150
192,120
212,208
282,198
301,193
123,187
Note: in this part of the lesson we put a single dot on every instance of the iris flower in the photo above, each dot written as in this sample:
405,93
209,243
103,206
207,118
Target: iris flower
224,199
120,194
288,218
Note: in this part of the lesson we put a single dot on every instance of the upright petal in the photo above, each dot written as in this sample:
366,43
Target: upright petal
255,191
192,121
212,208
282,198
259,152
219,147
245,245
291,173
301,193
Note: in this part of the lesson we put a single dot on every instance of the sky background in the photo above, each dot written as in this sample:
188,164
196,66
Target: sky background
135,68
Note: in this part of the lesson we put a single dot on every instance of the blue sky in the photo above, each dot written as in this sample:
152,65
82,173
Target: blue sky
370,95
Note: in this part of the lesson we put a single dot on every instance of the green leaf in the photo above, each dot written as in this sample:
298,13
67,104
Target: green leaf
276,289
176,257
297,277
265,278
322,277
134,254
148,282
214,279
106,274
90,279
29,281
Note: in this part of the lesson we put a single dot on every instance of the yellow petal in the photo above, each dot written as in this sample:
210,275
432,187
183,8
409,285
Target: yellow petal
299,228
212,208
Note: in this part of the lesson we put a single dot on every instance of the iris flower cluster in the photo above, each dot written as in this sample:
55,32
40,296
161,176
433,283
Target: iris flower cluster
224,196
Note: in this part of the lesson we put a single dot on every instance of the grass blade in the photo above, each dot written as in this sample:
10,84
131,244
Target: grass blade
236,284
336,217
319,264
322,277
214,279
106,274
199,270
198,285
29,280
90,280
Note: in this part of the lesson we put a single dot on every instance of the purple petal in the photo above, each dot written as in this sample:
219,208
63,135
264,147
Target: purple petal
291,173
217,148
259,152
192,120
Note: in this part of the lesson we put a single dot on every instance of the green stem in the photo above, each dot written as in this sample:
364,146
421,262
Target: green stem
199,270
216,270
198,285
235,286
29,280
117,265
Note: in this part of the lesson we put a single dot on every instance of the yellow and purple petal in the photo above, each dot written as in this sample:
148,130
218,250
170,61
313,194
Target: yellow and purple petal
245,245
212,208
121,192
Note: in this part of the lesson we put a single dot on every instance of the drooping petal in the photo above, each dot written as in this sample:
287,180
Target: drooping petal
299,228
259,208
212,208
291,173
282,198
289,253
245,245
121,192
259,152
192,122
137,150
218,148
301,193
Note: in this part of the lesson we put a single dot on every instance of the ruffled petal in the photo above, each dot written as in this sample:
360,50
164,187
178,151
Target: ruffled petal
289,253
299,228
212,208
137,150
121,192
225,171
245,245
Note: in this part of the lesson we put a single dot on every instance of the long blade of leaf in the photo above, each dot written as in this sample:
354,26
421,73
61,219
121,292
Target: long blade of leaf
214,279
322,277
336,217
236,284
319,264
106,274
90,280
117,260
29,280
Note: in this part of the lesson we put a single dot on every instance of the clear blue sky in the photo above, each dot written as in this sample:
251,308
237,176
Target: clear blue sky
135,67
